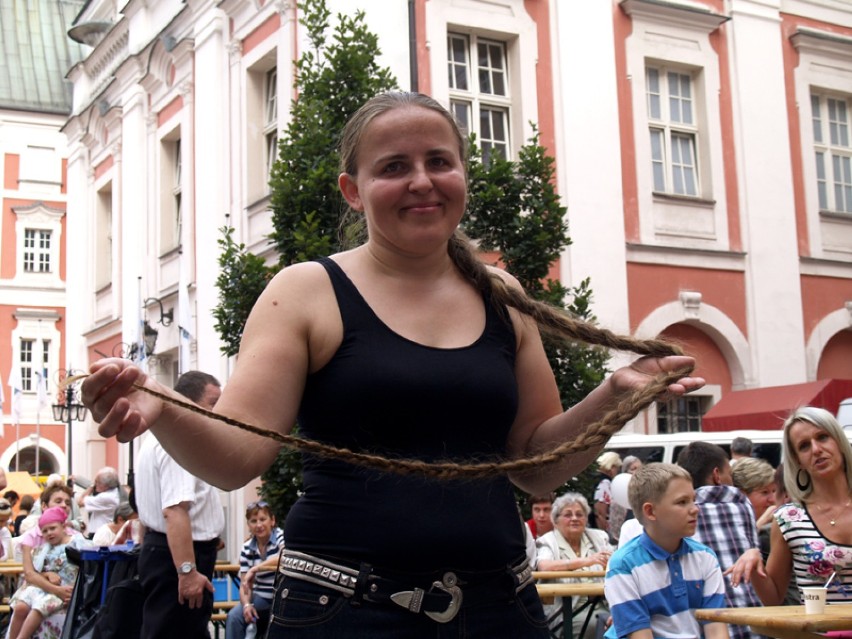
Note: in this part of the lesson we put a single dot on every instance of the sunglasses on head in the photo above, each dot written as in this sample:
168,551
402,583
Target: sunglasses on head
255,505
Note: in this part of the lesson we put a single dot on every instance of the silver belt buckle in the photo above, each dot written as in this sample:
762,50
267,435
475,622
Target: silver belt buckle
413,599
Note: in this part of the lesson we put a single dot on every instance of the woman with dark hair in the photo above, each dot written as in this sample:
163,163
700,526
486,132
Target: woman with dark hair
811,536
407,346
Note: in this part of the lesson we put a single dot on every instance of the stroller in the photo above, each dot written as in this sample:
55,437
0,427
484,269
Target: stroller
107,599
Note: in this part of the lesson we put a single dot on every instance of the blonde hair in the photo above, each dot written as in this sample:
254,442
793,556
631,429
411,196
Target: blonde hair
823,420
752,473
650,483
609,460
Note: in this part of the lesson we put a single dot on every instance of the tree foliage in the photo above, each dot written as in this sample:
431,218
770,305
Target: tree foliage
242,278
513,210
334,77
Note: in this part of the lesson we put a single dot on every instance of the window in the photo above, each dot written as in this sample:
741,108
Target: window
680,415
37,251
833,151
171,191
270,127
103,237
30,362
479,91
177,203
27,346
673,129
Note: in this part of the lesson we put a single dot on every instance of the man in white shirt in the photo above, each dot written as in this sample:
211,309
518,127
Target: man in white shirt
183,519
100,499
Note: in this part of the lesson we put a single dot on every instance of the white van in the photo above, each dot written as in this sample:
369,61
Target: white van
666,447
844,414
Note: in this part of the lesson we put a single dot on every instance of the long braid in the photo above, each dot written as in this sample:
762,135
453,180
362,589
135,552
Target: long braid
551,320
554,322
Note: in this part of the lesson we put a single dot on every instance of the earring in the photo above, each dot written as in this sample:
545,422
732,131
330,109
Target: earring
803,485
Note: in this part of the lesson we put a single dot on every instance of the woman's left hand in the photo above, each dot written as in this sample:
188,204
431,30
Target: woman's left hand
641,372
751,561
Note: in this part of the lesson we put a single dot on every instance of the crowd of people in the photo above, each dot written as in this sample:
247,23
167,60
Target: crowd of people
761,534
755,533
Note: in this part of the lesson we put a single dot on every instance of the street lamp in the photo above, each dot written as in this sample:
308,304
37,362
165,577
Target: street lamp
69,412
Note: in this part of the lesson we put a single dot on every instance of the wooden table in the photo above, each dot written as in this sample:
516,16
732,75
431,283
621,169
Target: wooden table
10,574
568,574
784,622
548,592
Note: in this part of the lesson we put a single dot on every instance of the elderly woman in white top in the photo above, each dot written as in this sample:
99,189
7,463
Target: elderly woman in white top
571,545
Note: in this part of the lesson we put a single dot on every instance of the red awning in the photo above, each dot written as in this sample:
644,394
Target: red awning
766,408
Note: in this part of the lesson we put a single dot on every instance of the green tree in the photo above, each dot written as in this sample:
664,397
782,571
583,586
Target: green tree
333,79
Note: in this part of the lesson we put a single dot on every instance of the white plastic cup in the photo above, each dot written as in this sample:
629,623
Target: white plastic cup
814,599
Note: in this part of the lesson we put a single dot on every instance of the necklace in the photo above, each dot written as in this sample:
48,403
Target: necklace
833,520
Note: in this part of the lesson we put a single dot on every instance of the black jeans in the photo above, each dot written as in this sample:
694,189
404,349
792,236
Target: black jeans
162,616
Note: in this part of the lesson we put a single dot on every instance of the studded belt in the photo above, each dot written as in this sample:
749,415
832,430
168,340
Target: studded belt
441,601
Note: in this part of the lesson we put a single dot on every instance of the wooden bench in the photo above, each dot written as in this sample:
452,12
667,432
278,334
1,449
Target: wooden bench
220,615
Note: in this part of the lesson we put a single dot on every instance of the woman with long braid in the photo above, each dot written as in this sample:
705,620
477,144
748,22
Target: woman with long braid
418,378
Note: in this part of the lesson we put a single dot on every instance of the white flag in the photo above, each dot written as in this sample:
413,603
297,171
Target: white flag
16,386
41,389
186,324
141,353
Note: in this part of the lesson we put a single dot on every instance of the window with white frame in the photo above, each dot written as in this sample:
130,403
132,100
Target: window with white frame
479,90
171,167
37,249
672,122
177,199
270,127
34,357
103,237
833,151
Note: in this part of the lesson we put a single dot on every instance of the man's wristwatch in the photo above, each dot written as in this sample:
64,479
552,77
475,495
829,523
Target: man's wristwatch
185,568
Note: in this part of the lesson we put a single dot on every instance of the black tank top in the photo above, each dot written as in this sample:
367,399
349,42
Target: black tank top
383,393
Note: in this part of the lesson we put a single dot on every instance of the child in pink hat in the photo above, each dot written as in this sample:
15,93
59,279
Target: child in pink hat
30,603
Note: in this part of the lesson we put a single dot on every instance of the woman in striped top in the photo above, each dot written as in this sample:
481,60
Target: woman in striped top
266,541
811,537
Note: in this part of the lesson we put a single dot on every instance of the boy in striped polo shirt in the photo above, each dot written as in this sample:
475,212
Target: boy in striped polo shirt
656,581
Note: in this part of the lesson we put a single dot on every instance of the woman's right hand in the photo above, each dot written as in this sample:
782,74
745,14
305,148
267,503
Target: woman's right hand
121,410
601,558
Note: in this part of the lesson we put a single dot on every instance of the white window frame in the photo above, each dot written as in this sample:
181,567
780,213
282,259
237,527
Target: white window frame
38,218
37,253
29,348
171,191
668,219
672,122
825,64
270,127
508,22
103,236
39,327
262,116
831,116
481,107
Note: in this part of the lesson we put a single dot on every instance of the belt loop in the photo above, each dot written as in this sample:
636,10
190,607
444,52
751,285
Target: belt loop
364,571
